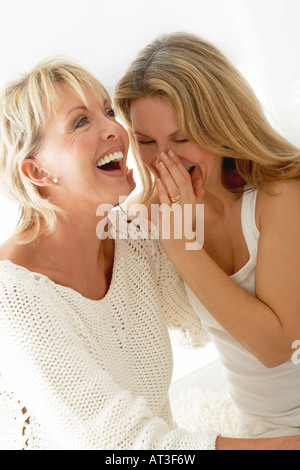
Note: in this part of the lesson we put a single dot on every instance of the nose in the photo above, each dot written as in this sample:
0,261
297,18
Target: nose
109,130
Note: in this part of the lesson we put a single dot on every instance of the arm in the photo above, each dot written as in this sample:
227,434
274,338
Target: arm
180,317
81,406
52,371
267,324
277,443
178,313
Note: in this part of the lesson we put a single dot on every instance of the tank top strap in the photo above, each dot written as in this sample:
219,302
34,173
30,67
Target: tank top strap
250,230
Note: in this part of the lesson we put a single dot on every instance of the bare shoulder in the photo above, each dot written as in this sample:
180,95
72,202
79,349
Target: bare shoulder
8,249
15,252
279,199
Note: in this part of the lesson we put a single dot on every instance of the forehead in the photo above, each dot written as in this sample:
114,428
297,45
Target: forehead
153,114
67,97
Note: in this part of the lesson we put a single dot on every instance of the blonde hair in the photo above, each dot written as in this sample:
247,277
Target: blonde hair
25,105
216,109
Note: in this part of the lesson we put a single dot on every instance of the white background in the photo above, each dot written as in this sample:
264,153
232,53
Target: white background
261,37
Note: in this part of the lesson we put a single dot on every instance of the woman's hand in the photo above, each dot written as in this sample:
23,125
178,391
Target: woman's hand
181,217
175,178
276,443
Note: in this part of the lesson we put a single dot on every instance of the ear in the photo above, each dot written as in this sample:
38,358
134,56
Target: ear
33,171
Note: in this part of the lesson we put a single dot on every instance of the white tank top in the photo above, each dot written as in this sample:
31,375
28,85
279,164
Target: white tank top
267,400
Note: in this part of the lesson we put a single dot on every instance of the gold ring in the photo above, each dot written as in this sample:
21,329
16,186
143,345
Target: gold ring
175,200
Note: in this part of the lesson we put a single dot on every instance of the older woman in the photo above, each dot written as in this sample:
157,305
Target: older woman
85,357
197,127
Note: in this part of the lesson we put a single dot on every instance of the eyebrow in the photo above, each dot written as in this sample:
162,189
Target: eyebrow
75,109
84,108
171,135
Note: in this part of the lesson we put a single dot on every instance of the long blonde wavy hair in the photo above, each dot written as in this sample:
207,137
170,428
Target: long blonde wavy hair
216,109
25,105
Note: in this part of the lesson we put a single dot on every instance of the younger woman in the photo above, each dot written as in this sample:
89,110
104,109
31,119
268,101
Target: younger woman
197,127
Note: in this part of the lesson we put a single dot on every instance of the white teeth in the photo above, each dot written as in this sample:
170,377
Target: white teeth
112,157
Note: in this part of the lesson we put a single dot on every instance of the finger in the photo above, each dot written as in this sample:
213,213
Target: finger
179,164
175,167
168,180
198,188
162,193
181,177
196,173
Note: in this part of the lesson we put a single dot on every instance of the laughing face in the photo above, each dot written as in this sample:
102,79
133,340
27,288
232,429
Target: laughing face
85,149
156,130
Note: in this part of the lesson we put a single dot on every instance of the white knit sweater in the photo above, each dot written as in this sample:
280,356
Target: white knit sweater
94,374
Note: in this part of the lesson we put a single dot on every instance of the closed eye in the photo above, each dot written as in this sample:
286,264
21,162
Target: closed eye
147,142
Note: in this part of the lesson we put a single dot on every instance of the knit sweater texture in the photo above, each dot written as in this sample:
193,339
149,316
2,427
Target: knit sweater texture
83,374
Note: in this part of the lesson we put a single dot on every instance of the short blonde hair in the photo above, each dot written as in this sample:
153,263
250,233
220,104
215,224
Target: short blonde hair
25,105
216,109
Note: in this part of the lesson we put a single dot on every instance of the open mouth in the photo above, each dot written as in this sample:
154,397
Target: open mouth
111,166
190,170
111,162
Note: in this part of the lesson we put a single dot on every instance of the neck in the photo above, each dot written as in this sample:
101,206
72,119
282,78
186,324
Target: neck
74,245
216,196
220,199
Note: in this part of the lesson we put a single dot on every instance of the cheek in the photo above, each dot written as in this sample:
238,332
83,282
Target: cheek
197,155
148,158
124,138
145,154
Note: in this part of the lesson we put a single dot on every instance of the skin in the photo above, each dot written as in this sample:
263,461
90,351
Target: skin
266,324
72,143
269,323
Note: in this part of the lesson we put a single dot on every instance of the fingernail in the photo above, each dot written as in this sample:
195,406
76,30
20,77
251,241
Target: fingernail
164,156
162,166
